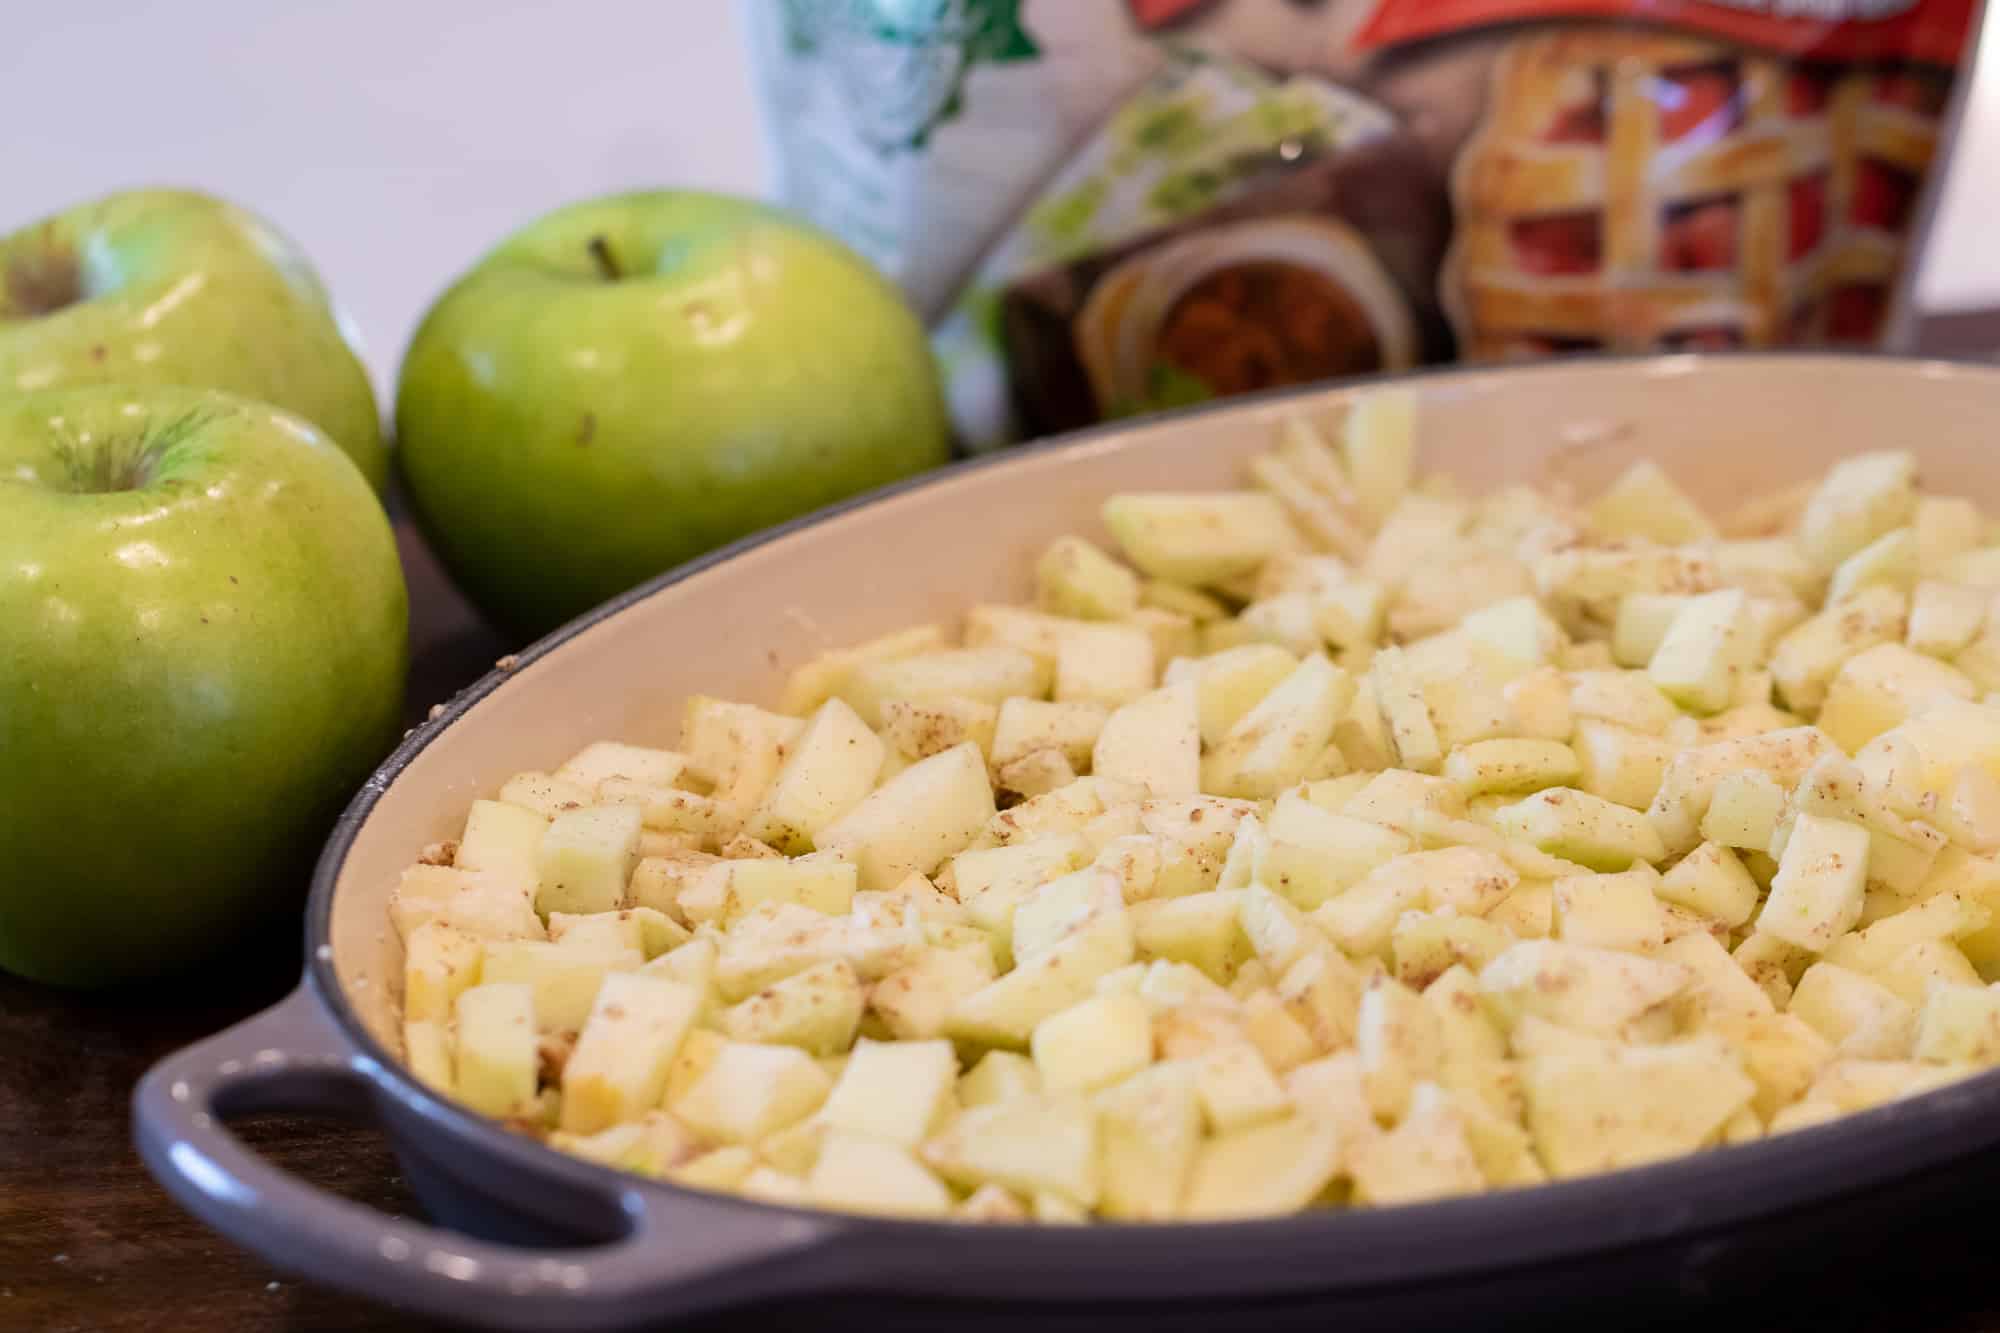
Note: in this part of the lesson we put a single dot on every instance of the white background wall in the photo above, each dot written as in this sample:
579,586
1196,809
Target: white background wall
398,139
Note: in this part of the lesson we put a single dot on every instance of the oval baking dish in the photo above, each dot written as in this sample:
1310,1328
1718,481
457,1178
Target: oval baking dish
533,1239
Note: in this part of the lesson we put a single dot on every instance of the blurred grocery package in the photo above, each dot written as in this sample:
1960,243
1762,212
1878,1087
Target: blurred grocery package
1107,207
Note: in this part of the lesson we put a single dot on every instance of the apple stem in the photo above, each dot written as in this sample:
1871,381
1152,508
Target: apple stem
607,263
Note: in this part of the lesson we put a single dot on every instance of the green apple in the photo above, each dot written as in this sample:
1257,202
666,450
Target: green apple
203,639
170,287
631,381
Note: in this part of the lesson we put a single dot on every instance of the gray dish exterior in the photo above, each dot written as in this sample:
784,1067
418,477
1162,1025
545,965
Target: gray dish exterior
530,1239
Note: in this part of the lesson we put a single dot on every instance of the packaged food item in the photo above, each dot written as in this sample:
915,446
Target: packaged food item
1108,207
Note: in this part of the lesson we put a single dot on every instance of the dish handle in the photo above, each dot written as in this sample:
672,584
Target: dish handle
678,1255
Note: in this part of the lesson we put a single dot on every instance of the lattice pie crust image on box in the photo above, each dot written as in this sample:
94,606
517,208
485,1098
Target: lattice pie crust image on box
1630,191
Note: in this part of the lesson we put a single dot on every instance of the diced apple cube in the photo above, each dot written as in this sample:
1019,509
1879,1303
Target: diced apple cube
1074,578
1744,812
585,859
1056,908
1858,1016
1889,560
1645,503
735,748
1156,741
1860,499
749,1092
427,1051
1428,1156
1611,911
1816,894
1711,880
1378,443
1000,1076
618,1070
727,890
1618,764
1315,854
1642,624
914,1001
989,674
1005,1011
1400,1044
1640,1104
1406,715
1959,1023
1024,1144
1272,746
1587,989
828,770
1266,1170
895,1092
1199,539
817,1010
1511,766
1201,929
1425,945
1707,647
500,843
1945,915
1026,726
1583,828
1278,932
564,982
912,822
1097,1042
546,795
1323,992
861,1174
595,763
439,962
1625,698
1806,659
825,676
1881,687
496,1062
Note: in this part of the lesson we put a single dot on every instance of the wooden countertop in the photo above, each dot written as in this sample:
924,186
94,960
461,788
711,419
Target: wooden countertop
89,1244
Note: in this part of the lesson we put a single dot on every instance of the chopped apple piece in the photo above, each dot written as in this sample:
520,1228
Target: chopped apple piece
1588,989
1006,1011
1583,828
500,844
895,1092
1816,895
547,796
1861,498
1024,1144
748,1092
1266,1170
618,1070
564,982
1272,746
1644,502
1097,1042
912,822
825,676
591,766
828,771
1155,741
1705,650
1634,1105
725,891
1617,911
494,1070
817,1010
1512,766
585,860
1199,539
1427,1156
439,962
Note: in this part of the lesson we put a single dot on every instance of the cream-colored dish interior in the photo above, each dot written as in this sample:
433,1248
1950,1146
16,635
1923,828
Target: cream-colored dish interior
1726,431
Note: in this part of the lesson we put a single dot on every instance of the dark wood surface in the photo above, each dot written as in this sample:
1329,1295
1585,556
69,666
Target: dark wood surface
89,1244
